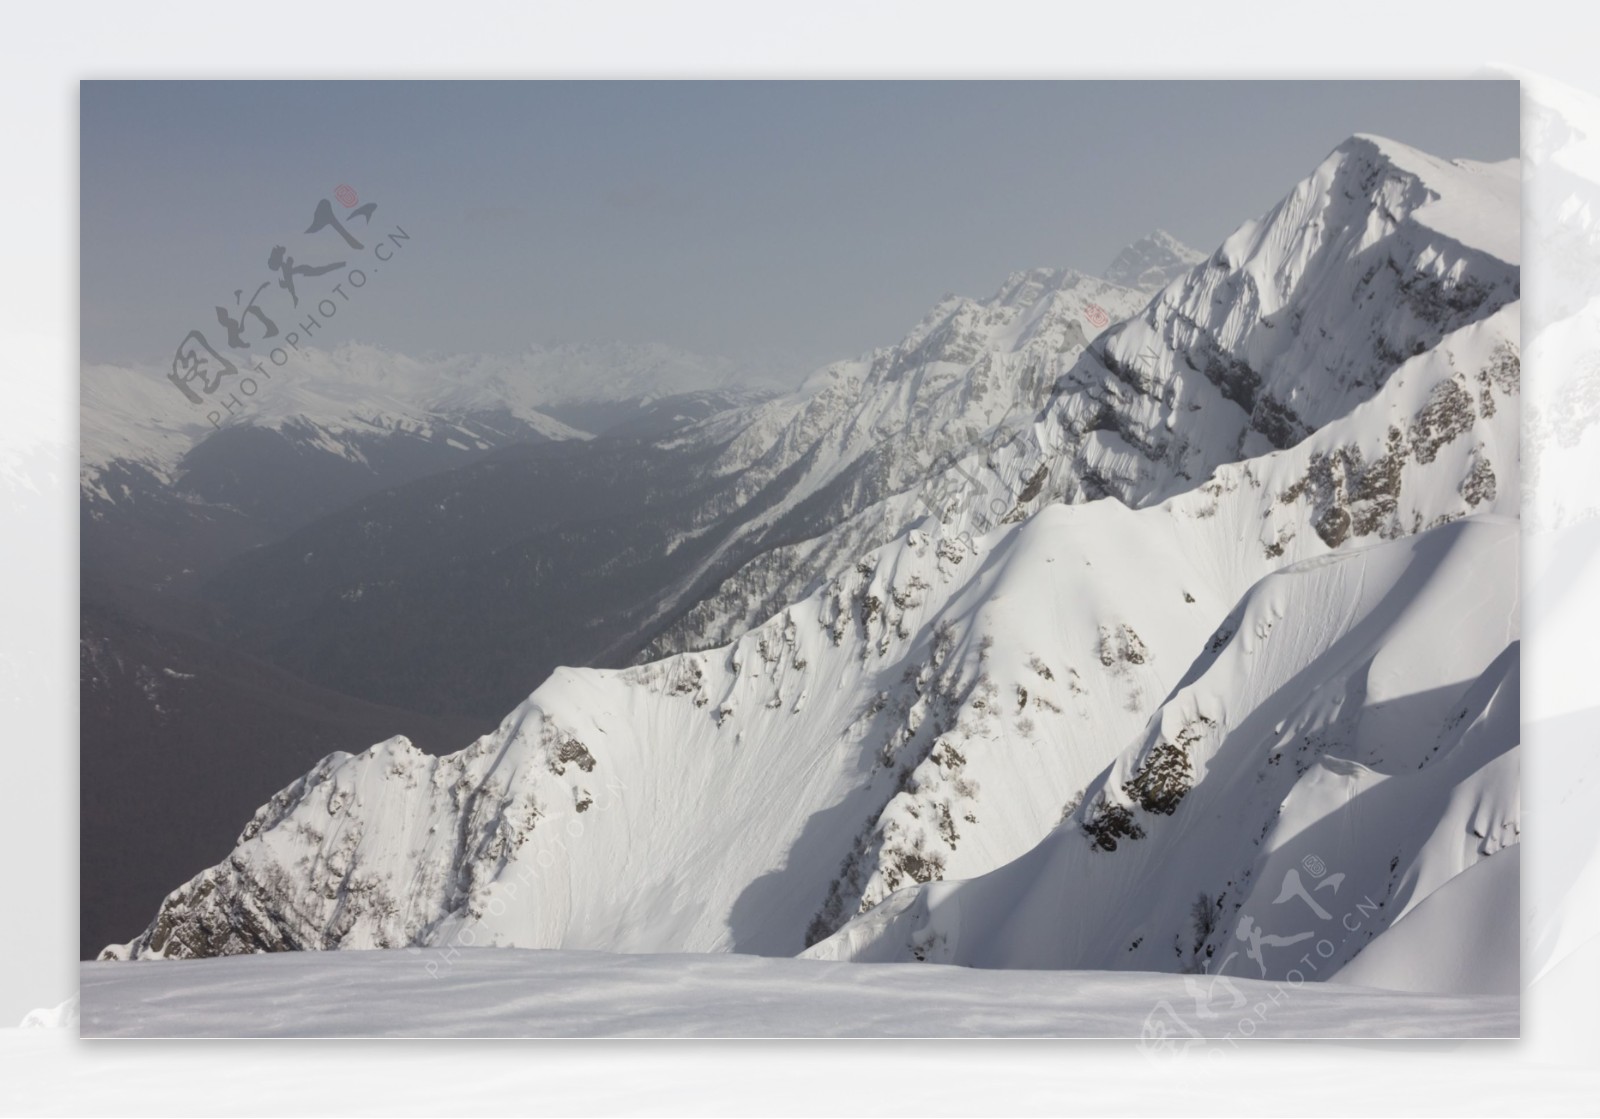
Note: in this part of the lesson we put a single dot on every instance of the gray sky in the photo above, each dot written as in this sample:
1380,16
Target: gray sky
805,221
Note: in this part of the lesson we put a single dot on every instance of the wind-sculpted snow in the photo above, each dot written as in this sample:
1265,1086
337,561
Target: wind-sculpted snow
1345,746
1094,637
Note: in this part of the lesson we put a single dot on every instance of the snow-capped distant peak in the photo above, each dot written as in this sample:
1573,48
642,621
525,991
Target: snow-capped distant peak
1152,262
132,414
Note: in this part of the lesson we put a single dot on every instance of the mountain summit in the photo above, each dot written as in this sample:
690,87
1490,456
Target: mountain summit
1153,262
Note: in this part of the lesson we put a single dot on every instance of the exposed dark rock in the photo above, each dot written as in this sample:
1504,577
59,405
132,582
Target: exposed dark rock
1110,822
1447,415
1162,780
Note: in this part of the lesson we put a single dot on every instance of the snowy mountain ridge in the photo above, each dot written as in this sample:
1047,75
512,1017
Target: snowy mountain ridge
1152,262
1024,674
335,398
1295,319
835,469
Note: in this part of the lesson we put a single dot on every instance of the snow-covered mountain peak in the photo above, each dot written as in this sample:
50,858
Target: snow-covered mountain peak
1298,316
1152,262
1303,314
1024,289
1465,200
1063,303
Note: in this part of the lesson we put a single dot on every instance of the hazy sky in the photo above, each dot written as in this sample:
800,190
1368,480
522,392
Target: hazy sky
804,220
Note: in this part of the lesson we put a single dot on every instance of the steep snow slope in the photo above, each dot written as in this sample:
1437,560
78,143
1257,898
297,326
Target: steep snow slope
1297,318
1464,938
930,708
1377,473
1343,748
926,714
749,770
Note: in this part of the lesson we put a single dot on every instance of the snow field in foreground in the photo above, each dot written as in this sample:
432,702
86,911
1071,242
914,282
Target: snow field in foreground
507,992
